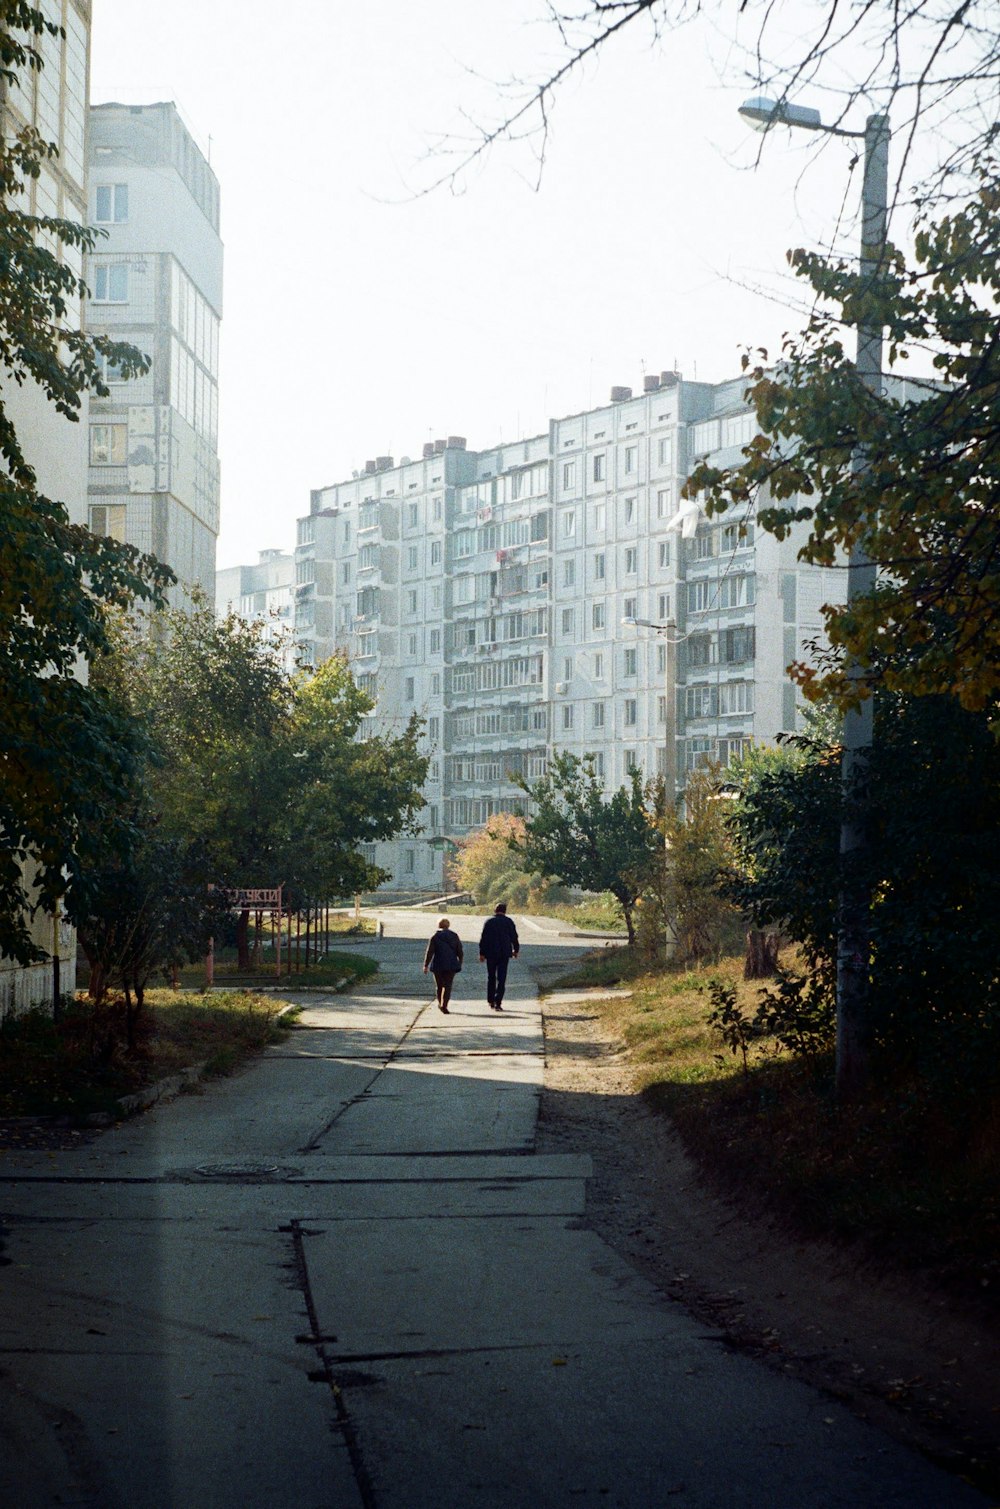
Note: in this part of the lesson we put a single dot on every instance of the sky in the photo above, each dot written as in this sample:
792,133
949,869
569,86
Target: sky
367,312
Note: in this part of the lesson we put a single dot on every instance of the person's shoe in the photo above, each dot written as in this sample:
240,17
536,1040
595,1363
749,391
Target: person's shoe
445,1010
498,1007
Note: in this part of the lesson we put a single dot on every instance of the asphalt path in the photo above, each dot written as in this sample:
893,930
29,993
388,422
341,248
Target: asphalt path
343,1279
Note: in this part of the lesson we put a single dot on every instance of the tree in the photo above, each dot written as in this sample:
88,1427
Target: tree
489,868
926,501
59,758
584,838
696,855
932,62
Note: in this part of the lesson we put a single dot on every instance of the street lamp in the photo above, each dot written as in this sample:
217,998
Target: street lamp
670,676
853,935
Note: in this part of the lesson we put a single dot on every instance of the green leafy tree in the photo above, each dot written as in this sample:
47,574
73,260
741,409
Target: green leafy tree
60,758
582,837
926,502
697,854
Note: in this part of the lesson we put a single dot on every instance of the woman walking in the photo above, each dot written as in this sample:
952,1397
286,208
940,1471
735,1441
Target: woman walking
444,959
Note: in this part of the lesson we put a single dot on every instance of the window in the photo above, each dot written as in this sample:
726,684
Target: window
569,573
661,709
738,644
567,715
701,701
436,509
434,728
411,649
661,659
540,525
568,620
599,468
569,475
436,684
111,283
435,552
599,666
664,452
345,573
108,444
736,592
347,531
408,861
408,688
435,643
108,519
735,697
567,668
598,760
663,503
704,546
631,662
413,515
630,607
663,554
112,203
739,429
631,561
597,615
701,596
600,516
663,605
367,558
411,602
737,537
597,714
599,566
569,523
630,760
629,510
631,452
411,558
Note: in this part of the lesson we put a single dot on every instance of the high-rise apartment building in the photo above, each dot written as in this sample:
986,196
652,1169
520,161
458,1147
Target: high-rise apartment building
53,99
263,591
156,281
494,592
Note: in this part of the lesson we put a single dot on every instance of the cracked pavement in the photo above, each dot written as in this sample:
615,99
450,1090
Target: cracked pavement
345,1278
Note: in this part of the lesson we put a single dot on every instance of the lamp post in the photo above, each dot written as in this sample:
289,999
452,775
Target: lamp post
670,677
853,931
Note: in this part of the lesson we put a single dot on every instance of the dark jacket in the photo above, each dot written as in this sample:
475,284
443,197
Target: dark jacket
444,952
499,937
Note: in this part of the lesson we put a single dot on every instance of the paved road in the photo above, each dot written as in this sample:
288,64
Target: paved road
344,1279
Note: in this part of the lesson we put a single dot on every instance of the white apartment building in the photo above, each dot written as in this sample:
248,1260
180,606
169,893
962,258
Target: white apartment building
488,592
262,592
54,100
156,281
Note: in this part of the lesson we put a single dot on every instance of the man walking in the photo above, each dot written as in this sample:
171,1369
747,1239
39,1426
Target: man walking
498,943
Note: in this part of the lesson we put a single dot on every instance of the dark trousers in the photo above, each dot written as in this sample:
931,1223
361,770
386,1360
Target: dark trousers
496,979
444,979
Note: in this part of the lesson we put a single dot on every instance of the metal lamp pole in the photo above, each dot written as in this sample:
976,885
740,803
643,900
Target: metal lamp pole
854,928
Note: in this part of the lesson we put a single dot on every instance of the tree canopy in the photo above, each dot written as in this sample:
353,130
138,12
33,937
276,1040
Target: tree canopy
60,756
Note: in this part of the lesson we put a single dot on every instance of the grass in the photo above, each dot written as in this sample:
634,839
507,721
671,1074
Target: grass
914,1180
600,914
81,1064
334,966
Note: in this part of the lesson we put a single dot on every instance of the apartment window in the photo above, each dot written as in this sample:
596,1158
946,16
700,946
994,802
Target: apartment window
661,709
739,429
408,686
413,515
630,607
600,516
629,510
436,684
598,761
108,519
661,659
597,615
411,558
567,715
599,468
737,537
569,523
735,697
567,620
569,573
631,763
664,453
599,566
567,668
411,602
434,728
663,605
663,554
597,714
411,649
701,701
435,552
409,862
663,503
108,444
345,573
347,531
631,662
112,203
599,666
569,475
111,283
631,561
631,452
704,546
436,509
700,596
435,644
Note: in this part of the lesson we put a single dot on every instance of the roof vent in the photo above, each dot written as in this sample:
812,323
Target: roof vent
619,395
440,446
384,463
669,379
370,468
456,442
428,450
650,383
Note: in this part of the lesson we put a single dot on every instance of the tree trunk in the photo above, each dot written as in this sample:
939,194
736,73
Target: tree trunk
243,940
629,924
761,959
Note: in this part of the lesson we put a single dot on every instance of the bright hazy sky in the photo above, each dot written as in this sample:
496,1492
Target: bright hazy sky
361,319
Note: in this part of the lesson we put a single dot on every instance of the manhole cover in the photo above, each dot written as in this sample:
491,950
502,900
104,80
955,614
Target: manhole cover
245,1171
